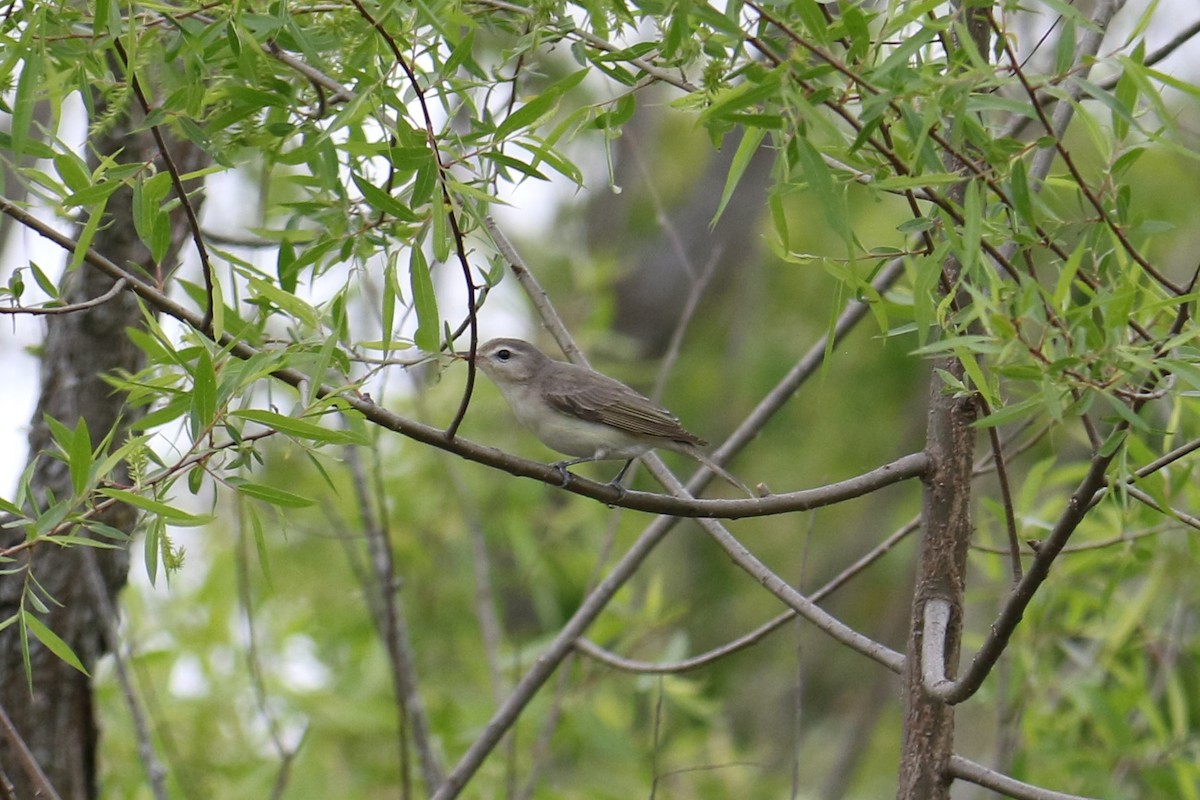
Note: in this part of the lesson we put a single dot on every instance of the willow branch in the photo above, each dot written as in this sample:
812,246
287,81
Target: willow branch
903,468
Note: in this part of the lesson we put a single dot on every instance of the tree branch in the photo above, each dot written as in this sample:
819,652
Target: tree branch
980,775
32,769
595,651
903,468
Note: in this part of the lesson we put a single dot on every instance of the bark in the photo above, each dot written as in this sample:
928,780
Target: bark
928,739
57,719
928,736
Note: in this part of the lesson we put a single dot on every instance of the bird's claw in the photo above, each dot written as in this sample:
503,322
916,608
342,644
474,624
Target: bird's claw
621,490
561,466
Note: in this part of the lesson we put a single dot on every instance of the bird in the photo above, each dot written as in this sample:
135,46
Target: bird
580,412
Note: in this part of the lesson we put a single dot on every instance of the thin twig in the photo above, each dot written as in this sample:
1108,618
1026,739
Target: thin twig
968,770
903,468
658,73
177,182
156,774
33,770
536,294
113,291
595,602
448,203
393,628
1010,519
593,650
1076,174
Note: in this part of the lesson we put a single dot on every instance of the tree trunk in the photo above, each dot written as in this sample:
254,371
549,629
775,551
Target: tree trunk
928,739
928,736
56,719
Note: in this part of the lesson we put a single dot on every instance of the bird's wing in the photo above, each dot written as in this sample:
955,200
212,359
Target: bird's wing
611,402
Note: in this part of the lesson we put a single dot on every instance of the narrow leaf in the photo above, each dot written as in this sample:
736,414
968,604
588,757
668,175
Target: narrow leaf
301,429
741,159
52,641
173,515
269,494
429,324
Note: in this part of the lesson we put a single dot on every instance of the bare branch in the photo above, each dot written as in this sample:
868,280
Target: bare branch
68,309
28,762
980,775
615,661
903,468
189,210
598,599
155,772
393,627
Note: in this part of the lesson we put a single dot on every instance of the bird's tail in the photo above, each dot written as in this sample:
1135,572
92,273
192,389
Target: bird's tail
726,475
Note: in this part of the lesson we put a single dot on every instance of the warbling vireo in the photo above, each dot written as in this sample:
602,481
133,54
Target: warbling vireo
579,412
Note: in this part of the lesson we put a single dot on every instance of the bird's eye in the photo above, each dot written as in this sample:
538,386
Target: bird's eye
503,355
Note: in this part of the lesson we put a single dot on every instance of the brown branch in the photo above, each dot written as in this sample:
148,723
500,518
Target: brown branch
448,207
1069,161
32,769
177,182
595,602
903,468
67,309
968,770
615,661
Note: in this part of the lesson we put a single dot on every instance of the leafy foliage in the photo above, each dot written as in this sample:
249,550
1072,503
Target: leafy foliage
1043,270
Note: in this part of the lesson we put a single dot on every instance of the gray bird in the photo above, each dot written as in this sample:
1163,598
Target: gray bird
580,412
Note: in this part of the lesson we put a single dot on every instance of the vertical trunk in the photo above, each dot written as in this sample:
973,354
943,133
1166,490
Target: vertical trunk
928,737
929,723
56,718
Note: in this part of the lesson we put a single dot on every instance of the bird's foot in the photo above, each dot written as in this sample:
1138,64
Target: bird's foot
620,487
565,476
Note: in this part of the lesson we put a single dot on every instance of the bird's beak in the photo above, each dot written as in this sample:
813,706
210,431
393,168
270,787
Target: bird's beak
461,355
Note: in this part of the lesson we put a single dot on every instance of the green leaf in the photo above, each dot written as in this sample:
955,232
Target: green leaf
204,394
100,16
23,103
79,457
286,301
540,106
390,295
1021,196
285,266
269,494
150,550
972,231
747,147
1011,413
383,202
43,281
300,428
260,544
51,641
1064,51
73,171
95,215
441,231
832,201
175,516
218,308
429,325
